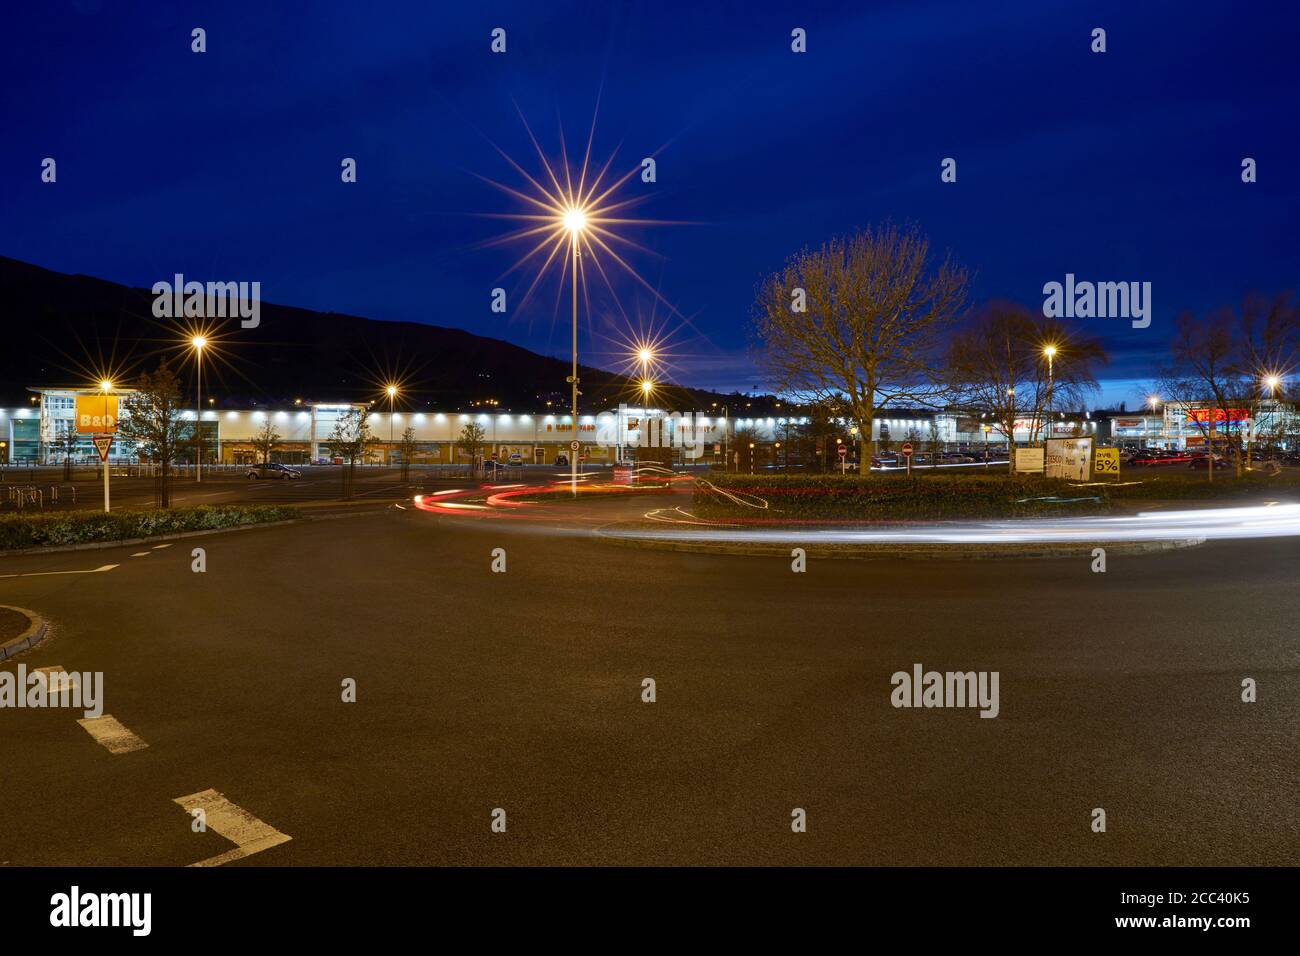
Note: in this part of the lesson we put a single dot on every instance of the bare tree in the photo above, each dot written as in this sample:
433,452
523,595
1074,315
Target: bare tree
152,420
349,442
65,443
266,441
1221,364
997,368
858,321
407,448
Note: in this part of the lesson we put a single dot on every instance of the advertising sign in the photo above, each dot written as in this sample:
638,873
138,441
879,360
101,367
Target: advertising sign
1201,416
1029,460
1068,458
97,413
1105,461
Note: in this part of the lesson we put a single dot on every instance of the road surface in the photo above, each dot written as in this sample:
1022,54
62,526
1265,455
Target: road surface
522,690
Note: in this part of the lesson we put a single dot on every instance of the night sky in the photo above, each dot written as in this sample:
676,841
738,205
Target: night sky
225,165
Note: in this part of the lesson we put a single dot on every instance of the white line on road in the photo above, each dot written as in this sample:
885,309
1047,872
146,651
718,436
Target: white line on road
116,738
159,547
37,574
249,834
142,554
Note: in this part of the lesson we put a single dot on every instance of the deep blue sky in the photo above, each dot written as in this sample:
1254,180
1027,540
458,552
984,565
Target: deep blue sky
1122,166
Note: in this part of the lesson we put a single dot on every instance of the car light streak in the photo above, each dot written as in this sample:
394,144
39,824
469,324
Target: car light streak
1219,524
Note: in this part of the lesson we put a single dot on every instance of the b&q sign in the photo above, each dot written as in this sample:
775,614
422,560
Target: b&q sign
97,413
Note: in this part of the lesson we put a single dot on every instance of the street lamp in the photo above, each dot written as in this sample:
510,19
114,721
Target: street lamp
575,221
1272,381
1050,352
198,342
106,386
392,394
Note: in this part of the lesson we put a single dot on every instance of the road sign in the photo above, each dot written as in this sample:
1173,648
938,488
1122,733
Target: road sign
97,413
1068,458
1029,459
843,449
907,449
1105,461
102,445
573,445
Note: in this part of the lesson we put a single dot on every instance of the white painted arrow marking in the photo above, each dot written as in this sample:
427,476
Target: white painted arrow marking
249,834
116,738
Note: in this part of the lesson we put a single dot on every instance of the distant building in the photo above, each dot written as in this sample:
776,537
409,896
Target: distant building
30,434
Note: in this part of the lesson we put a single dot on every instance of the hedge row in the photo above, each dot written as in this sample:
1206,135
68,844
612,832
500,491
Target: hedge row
882,497
962,494
84,527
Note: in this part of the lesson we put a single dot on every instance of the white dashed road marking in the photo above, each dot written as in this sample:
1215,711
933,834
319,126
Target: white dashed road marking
159,547
37,574
116,738
249,834
142,554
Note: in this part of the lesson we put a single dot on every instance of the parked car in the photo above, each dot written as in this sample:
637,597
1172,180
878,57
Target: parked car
273,470
515,459
562,460
1203,462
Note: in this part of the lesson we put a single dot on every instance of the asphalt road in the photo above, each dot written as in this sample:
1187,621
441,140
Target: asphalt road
522,691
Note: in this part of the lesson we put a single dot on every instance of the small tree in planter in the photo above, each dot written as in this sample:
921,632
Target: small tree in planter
349,442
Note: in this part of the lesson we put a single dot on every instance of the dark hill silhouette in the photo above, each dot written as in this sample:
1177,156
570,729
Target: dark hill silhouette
62,330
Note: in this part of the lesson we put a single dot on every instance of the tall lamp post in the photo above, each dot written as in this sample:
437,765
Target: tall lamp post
392,395
106,387
1050,352
575,220
644,355
1154,402
1271,382
647,390
198,342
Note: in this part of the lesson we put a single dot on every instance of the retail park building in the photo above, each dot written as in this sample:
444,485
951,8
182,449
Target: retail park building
30,434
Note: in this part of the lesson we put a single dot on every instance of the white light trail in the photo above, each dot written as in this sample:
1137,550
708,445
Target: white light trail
1218,524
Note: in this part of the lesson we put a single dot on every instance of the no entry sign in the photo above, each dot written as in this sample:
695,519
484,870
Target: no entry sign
907,449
